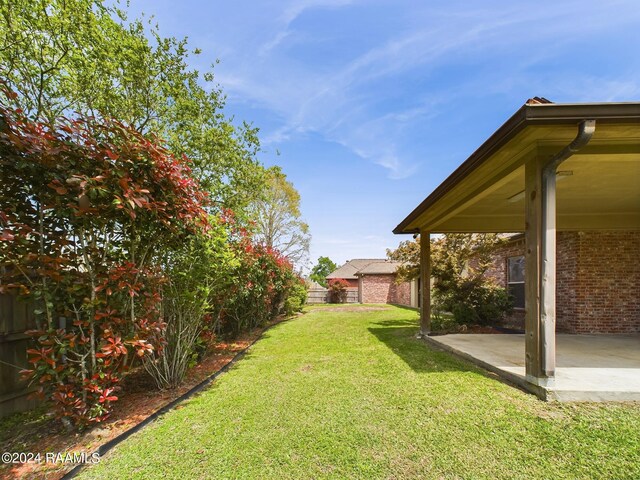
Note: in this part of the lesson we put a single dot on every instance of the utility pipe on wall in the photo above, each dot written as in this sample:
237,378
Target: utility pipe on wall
548,248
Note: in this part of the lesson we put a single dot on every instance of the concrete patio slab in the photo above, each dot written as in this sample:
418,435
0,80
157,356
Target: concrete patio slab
588,367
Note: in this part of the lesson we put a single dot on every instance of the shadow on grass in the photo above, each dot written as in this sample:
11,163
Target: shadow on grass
406,307
400,337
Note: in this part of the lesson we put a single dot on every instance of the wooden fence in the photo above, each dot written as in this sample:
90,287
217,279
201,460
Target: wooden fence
321,295
317,295
15,318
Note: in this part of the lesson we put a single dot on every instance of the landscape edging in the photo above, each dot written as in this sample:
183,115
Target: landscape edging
105,447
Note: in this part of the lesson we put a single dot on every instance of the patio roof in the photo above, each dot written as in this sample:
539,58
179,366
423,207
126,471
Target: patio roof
550,167
598,187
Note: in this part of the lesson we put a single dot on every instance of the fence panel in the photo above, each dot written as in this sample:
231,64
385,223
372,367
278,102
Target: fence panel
317,295
16,317
352,295
321,295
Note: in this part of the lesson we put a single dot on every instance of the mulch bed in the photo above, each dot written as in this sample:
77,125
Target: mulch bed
139,398
475,329
479,329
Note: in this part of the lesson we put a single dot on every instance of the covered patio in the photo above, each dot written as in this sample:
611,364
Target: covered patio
549,168
588,367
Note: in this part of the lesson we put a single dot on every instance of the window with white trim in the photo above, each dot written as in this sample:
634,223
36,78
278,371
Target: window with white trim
515,280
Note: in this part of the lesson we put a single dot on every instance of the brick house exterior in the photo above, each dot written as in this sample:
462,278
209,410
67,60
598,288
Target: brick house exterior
597,283
352,282
375,280
382,288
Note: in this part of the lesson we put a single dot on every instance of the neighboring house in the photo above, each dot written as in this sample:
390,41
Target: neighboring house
596,284
375,281
347,272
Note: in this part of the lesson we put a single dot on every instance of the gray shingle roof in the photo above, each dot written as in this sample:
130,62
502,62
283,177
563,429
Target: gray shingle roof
379,268
361,266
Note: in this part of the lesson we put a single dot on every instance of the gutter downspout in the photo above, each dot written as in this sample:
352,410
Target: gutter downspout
548,248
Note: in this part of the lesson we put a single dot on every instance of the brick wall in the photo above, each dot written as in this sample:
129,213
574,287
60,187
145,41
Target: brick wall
607,283
567,248
597,281
353,282
384,289
402,294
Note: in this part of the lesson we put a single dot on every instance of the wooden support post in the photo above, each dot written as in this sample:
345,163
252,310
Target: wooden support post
548,274
425,282
533,207
540,281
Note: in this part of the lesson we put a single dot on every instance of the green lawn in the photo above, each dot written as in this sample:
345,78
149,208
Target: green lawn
352,394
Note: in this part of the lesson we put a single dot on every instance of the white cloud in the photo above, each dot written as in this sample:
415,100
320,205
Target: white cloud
298,7
279,135
290,14
266,48
339,105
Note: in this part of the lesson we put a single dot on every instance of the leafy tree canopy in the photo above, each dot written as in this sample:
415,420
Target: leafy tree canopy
408,254
450,256
323,268
278,221
64,57
458,264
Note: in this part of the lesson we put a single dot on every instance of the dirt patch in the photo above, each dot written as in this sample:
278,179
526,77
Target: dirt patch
351,308
139,398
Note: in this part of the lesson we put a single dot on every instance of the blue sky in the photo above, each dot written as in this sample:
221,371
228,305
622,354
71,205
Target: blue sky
372,104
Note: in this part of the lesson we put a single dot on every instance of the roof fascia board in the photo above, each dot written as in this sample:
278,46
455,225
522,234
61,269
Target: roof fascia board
539,114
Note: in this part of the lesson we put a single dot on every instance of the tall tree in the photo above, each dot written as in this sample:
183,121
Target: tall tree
66,56
450,256
458,264
278,220
320,271
408,254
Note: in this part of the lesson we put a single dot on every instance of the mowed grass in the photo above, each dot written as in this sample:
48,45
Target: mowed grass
350,393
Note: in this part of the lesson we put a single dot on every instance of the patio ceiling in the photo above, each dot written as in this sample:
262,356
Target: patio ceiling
598,188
